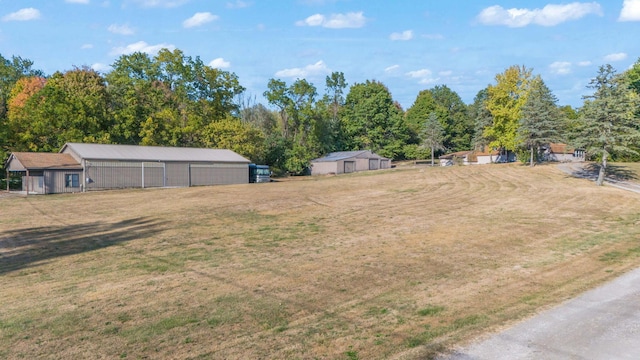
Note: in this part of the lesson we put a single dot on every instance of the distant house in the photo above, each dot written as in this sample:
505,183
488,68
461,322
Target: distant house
348,161
83,167
562,153
460,157
477,157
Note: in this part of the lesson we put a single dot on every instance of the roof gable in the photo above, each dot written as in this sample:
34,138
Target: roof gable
41,161
151,153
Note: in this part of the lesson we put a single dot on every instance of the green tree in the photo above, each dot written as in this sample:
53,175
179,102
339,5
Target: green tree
332,137
454,117
231,133
608,118
633,77
180,91
11,70
540,122
136,95
372,120
71,107
482,118
505,101
433,135
301,123
415,119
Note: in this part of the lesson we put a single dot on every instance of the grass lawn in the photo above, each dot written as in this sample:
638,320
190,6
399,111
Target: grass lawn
397,264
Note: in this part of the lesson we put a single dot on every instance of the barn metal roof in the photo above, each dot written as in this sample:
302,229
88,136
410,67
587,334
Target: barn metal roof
342,155
151,153
42,161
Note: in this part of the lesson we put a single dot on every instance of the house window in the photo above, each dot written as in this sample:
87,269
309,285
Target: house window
71,180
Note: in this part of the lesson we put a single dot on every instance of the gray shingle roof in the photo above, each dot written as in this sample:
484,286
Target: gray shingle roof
151,153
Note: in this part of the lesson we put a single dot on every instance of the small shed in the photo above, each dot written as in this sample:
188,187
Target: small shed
84,167
460,157
344,162
46,173
486,156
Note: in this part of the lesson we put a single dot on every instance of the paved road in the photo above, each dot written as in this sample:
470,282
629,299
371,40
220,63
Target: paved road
579,170
603,323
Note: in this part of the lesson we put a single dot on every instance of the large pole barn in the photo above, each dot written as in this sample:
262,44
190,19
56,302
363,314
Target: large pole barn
107,166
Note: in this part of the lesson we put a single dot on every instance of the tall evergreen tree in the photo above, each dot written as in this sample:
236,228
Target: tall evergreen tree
482,119
540,122
433,135
608,123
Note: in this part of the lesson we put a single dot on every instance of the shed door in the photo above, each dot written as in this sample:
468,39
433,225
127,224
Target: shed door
349,166
373,164
384,164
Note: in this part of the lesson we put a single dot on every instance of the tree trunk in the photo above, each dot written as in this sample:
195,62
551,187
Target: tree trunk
603,169
531,159
432,153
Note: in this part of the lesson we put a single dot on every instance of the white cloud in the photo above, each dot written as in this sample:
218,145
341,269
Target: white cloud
77,1
219,63
238,4
445,73
199,19
584,63
392,68
86,46
319,68
560,67
335,21
121,29
630,11
404,36
550,15
160,3
615,57
424,76
142,47
25,14
100,67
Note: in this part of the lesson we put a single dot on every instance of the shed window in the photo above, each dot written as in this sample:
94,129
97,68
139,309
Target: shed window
71,180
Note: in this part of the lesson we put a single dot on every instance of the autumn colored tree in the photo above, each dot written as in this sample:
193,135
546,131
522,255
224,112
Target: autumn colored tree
505,101
70,107
18,122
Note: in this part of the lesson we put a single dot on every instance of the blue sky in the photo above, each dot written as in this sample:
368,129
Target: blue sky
409,45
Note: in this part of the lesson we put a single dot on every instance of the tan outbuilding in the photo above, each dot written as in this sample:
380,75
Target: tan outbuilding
83,167
349,161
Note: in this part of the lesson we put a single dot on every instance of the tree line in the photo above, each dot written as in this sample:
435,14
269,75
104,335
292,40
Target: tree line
171,99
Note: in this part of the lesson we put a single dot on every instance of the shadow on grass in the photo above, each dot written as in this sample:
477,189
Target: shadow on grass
22,248
614,172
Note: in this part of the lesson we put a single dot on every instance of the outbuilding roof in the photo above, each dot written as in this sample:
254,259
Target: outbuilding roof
151,153
342,155
41,161
559,148
459,154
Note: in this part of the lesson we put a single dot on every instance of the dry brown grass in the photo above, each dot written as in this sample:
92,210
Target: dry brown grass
391,264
